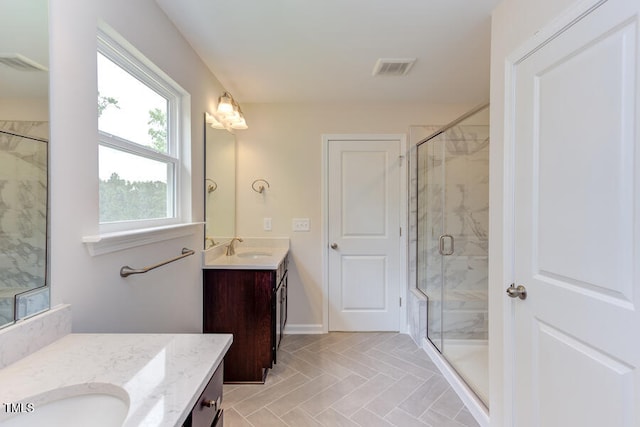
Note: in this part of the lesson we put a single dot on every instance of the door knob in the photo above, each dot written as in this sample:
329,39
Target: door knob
334,246
517,292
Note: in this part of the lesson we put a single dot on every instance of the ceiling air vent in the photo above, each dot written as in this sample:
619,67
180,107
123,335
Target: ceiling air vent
393,67
19,62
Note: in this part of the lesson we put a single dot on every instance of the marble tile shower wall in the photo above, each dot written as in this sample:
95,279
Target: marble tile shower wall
23,211
461,311
465,304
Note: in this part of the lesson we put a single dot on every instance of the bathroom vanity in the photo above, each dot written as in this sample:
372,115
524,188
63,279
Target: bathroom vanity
246,295
118,379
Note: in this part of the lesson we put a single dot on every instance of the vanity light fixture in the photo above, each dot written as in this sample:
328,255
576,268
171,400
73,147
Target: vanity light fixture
213,122
228,114
225,104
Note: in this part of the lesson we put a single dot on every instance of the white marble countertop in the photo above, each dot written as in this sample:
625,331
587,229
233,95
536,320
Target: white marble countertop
160,375
251,254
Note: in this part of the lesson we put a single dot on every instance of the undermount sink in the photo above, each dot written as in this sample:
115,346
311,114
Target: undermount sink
254,254
89,408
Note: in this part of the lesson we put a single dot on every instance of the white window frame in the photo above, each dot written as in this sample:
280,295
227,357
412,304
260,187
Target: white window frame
142,69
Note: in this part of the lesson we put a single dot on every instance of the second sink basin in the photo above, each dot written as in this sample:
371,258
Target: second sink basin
254,254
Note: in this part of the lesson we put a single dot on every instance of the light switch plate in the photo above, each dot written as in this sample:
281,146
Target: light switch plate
301,224
266,224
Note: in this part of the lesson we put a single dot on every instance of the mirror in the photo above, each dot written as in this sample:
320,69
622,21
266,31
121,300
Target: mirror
219,185
24,134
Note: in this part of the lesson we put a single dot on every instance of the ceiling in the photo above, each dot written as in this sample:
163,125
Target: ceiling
325,50
24,30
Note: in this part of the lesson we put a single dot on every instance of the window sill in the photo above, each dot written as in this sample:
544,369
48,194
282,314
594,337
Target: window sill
118,241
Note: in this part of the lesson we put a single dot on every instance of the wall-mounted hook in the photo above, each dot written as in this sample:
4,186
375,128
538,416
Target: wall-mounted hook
211,187
258,188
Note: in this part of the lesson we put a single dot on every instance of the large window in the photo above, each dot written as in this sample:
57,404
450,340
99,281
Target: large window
138,122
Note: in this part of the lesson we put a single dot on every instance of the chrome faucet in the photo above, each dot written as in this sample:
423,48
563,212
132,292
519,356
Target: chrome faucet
231,250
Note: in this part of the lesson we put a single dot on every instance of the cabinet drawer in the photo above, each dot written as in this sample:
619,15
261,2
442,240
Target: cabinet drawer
208,407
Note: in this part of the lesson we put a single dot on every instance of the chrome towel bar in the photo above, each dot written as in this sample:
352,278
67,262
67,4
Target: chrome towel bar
127,271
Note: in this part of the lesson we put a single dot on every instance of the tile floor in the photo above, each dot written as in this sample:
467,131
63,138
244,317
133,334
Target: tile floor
348,379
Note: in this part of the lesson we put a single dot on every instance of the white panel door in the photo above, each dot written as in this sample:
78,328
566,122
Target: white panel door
364,234
577,224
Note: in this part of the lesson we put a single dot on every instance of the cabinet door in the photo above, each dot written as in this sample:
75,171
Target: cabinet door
239,302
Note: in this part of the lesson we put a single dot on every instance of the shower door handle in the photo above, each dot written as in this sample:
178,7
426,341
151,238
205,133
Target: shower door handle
441,249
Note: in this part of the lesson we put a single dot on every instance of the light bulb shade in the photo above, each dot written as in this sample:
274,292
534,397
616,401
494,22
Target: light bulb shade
225,104
210,118
240,124
234,115
213,121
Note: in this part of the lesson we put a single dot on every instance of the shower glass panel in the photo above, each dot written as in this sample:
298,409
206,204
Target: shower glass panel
430,228
452,270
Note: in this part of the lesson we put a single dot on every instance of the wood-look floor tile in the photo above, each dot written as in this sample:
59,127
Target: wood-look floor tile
301,394
374,363
435,419
399,418
366,418
299,418
233,419
407,367
424,396
348,379
352,365
270,394
394,395
325,362
265,418
332,394
331,418
449,404
465,417
364,394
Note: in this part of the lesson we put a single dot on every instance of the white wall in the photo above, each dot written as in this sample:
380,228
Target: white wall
164,300
514,22
31,109
284,146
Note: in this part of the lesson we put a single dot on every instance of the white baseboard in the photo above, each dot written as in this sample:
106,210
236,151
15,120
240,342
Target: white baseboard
303,329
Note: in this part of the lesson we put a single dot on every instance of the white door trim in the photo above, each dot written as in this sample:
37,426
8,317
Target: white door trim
501,259
402,279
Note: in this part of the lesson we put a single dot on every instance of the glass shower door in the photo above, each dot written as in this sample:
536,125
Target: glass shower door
452,255
465,271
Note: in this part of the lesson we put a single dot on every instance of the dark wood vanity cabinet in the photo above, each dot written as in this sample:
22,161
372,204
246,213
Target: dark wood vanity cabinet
251,305
207,411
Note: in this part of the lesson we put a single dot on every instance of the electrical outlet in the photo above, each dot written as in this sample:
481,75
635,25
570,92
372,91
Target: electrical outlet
301,224
266,224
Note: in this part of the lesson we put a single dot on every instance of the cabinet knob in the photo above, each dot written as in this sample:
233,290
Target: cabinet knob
211,403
